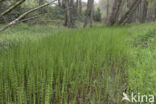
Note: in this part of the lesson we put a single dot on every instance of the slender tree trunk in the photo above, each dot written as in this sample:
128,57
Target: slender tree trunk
133,16
89,13
129,3
92,14
77,7
155,12
108,6
124,19
115,12
59,3
68,15
80,6
64,4
144,11
72,11
151,15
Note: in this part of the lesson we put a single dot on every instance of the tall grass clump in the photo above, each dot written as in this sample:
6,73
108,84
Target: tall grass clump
68,67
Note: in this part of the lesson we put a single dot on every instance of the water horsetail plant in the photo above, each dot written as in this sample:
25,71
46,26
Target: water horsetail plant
66,67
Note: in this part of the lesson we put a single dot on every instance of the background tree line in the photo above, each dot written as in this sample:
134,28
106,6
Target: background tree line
69,12
128,11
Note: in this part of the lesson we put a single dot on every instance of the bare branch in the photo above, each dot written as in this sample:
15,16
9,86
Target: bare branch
12,7
24,14
30,18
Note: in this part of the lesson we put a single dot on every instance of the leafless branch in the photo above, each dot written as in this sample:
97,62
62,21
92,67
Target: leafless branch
12,7
30,18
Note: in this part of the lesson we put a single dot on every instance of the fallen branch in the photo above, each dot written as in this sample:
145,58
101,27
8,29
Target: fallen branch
12,7
24,14
30,18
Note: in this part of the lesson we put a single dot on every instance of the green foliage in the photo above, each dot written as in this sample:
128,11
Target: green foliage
30,3
141,75
97,15
151,3
145,40
57,13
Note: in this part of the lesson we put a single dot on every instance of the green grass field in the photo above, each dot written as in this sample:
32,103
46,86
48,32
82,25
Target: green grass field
47,65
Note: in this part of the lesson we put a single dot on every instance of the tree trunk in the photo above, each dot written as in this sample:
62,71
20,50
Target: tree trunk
108,6
92,13
115,12
72,11
66,2
80,6
144,11
89,13
68,15
130,12
77,7
59,3
133,16
155,12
